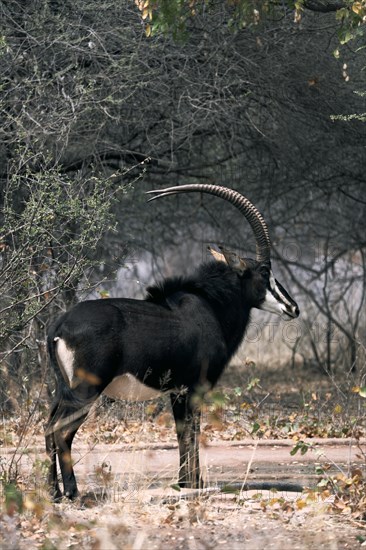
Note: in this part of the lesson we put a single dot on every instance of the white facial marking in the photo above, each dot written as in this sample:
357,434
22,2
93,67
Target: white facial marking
273,304
65,359
128,387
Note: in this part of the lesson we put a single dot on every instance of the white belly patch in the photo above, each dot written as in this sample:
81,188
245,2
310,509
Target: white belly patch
65,359
127,387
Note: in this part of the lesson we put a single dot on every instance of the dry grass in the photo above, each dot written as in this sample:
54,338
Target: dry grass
249,403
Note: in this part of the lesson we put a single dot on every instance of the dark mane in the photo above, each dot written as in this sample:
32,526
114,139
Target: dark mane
214,281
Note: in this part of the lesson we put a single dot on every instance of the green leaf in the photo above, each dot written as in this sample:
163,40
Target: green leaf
300,446
345,36
13,498
253,383
304,449
229,489
342,14
294,450
256,427
218,398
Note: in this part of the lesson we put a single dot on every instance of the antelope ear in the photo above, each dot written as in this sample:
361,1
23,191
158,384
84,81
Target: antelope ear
217,255
234,261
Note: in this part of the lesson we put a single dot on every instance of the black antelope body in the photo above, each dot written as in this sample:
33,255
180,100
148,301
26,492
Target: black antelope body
177,340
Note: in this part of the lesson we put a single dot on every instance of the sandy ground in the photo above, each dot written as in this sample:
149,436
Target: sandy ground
128,500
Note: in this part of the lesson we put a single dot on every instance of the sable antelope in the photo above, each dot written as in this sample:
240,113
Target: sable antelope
177,340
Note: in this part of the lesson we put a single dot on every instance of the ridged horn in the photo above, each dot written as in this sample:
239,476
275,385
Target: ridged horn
254,217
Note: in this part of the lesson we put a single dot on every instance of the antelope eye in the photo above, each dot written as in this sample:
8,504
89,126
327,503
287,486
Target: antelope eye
264,271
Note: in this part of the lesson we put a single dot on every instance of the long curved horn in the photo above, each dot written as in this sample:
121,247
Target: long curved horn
254,217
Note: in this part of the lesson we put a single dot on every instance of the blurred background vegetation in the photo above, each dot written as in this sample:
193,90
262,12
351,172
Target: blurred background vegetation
101,101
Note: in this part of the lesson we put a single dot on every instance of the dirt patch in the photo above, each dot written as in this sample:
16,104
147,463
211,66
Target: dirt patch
205,523
217,522
126,461
128,501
